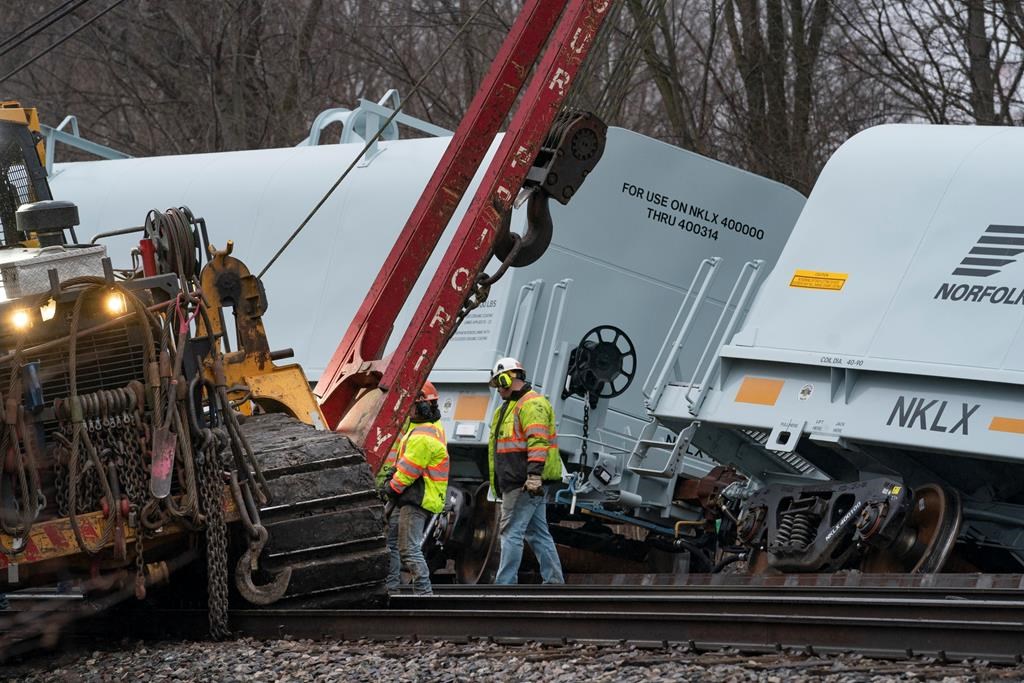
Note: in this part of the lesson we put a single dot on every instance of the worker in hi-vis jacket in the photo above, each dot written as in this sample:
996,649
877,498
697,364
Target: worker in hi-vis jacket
418,487
522,455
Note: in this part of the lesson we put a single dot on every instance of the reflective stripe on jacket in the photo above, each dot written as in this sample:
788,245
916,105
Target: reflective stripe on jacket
523,443
421,470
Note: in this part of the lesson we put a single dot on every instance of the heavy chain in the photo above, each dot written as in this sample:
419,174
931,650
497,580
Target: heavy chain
60,481
586,431
482,284
211,493
87,492
133,471
113,426
128,447
104,441
477,295
90,498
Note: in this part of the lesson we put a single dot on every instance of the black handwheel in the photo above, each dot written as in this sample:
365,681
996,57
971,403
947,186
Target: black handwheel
605,362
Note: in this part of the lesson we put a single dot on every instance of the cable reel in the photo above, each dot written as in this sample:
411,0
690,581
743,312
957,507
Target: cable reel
177,242
602,365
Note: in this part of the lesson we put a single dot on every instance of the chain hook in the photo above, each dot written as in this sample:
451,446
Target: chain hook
268,593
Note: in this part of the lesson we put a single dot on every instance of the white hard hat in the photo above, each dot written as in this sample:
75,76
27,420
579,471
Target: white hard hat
505,365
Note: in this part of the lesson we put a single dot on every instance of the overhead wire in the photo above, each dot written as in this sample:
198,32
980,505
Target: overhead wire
608,98
40,24
376,136
60,41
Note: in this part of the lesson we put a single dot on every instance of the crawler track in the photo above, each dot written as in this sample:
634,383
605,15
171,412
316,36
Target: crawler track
325,521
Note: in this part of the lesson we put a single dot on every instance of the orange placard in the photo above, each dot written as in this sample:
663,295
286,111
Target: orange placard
759,390
1006,424
471,407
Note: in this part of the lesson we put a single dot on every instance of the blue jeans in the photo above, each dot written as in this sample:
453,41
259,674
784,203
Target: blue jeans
395,561
524,517
412,520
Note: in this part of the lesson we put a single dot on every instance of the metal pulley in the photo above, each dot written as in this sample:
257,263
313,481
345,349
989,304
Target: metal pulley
572,148
601,366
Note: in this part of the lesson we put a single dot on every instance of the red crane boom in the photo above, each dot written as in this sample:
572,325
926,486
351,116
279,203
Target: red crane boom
357,362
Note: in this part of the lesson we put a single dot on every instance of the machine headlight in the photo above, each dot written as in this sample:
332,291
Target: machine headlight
115,303
21,319
47,310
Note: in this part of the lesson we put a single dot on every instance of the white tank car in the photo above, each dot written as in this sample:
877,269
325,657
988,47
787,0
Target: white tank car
624,250
886,345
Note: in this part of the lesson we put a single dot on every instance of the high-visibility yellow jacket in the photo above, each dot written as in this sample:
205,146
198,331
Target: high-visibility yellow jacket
421,470
523,442
388,467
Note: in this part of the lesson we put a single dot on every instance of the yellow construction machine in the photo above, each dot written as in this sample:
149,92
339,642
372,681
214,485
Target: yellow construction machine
140,420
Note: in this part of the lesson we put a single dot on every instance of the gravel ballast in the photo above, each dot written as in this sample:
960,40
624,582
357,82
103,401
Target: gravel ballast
247,660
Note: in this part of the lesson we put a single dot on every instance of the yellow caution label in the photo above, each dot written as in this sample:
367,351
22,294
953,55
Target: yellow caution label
896,490
814,279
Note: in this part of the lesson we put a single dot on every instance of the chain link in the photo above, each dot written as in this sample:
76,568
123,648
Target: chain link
586,431
114,425
482,284
477,295
211,493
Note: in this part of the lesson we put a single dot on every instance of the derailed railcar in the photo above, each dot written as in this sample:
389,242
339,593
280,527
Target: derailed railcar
873,394
623,253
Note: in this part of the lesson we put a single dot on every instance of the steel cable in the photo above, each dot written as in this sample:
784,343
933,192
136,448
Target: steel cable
40,24
373,139
59,42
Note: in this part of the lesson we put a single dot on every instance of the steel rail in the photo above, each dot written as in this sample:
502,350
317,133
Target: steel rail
995,639
888,625
941,590
1004,611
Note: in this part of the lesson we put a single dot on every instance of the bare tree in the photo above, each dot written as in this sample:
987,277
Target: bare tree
741,80
942,61
777,50
175,76
681,49
773,86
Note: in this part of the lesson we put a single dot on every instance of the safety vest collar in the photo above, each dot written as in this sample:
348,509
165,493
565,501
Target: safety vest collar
528,396
428,429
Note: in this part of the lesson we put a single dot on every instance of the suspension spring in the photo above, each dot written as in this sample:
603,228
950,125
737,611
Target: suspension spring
785,529
803,530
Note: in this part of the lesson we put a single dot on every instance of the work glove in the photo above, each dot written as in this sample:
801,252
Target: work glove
534,485
390,496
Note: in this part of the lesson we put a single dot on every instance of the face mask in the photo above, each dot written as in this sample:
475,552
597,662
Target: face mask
427,411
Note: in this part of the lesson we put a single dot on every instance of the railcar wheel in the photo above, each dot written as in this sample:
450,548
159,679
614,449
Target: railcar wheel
928,536
478,562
